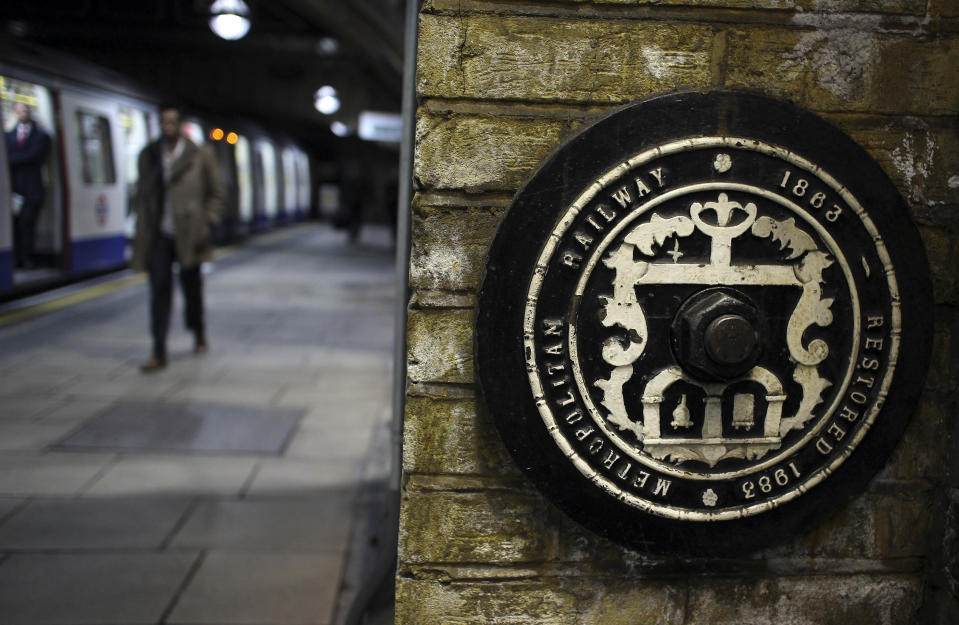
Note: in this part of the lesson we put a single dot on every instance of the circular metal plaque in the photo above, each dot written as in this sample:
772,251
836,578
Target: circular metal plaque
704,322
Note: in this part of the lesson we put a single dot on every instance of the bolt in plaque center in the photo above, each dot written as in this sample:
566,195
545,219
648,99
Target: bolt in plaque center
717,334
730,340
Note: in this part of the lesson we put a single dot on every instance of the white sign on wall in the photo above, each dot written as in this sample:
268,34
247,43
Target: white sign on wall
385,127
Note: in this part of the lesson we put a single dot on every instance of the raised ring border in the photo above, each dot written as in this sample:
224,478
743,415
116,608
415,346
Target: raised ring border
549,249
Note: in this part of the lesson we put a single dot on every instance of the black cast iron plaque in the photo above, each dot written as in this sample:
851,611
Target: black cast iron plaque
704,323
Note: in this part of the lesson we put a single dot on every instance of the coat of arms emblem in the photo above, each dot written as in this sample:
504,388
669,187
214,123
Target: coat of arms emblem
718,335
709,327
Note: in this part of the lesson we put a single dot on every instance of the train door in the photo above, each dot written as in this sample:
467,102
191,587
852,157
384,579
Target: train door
303,184
47,237
193,131
244,180
270,187
289,183
135,128
97,199
222,147
6,225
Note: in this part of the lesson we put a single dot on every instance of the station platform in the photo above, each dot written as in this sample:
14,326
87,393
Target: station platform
222,489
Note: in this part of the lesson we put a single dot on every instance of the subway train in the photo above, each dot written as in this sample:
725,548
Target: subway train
98,122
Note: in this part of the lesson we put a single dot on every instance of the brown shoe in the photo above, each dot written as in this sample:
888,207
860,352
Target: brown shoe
154,364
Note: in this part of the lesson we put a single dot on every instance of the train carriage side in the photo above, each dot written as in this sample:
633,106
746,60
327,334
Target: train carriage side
245,183
98,123
267,179
296,182
6,227
102,139
25,88
270,178
287,158
304,185
235,144
230,227
89,173
211,137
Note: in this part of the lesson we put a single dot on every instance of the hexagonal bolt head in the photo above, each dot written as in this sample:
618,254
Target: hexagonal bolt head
717,334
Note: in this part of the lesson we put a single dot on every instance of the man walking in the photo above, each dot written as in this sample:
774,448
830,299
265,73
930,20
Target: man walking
27,150
179,197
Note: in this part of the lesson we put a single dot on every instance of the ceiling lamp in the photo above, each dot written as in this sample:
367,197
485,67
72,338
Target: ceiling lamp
328,46
326,101
339,129
230,19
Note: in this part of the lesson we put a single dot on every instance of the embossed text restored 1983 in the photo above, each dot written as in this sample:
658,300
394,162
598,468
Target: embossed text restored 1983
710,326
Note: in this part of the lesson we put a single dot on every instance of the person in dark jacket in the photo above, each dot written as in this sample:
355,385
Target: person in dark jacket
27,150
179,198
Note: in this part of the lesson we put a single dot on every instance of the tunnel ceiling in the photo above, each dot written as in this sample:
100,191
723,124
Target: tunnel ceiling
293,48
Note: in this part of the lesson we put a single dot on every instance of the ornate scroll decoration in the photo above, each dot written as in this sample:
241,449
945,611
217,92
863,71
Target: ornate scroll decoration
622,309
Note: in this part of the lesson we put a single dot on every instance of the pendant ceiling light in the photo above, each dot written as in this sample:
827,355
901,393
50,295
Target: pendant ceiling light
230,19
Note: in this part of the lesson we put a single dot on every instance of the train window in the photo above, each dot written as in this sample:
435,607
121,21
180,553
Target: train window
96,148
37,97
134,136
303,180
49,232
194,132
244,178
290,195
270,187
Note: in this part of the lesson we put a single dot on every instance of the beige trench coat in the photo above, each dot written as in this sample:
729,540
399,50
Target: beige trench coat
196,194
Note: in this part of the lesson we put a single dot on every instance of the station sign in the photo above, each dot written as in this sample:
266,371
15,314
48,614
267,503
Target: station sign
382,127
704,323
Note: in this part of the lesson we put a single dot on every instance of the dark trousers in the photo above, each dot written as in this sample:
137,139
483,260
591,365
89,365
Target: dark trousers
24,233
160,267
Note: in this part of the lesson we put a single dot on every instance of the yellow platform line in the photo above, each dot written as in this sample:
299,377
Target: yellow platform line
93,292
71,299
115,285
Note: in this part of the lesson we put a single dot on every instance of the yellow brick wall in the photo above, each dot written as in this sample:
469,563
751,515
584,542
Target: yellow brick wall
499,85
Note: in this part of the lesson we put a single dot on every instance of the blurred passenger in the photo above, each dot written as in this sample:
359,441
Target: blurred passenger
27,150
351,200
179,198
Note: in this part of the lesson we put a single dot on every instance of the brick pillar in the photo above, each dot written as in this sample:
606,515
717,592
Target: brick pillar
499,85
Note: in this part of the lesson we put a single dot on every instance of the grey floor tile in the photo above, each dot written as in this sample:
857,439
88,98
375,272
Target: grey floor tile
321,525
175,475
189,426
127,523
255,393
33,435
132,385
348,414
262,359
305,320
60,474
357,399
315,441
66,359
7,506
257,589
306,476
353,382
279,376
76,410
370,361
36,384
89,589
23,408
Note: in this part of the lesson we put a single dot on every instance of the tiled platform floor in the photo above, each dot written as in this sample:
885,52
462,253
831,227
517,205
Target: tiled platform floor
300,322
